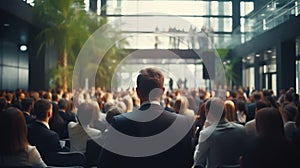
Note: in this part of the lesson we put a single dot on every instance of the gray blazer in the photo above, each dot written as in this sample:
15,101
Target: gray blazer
220,144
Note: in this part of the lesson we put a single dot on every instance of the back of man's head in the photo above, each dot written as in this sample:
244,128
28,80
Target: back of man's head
291,111
54,97
27,103
215,108
41,109
262,104
256,96
149,79
62,104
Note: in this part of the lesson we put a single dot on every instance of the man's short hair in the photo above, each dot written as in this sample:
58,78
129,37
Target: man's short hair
214,106
291,111
41,108
262,104
62,104
111,113
257,96
26,103
149,79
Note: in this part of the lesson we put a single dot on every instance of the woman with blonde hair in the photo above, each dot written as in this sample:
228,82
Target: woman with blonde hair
15,151
181,107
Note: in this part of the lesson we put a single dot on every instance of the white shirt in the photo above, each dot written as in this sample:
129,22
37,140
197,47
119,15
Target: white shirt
79,136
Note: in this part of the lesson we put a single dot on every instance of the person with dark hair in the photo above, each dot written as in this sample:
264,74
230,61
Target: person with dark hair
241,111
55,103
270,148
80,132
111,113
251,125
59,121
18,99
289,114
67,116
154,120
15,151
3,103
255,97
220,142
94,145
9,99
39,133
27,107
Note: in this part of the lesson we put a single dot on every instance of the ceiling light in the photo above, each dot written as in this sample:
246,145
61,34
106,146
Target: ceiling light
23,47
269,51
6,24
257,55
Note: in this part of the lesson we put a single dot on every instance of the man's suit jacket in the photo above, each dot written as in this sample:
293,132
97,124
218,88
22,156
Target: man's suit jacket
28,118
220,146
180,155
43,138
250,111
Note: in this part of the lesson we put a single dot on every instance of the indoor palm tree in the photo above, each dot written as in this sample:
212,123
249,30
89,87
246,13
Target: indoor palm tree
64,28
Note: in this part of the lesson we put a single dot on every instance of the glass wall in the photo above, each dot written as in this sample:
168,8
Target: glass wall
146,21
13,66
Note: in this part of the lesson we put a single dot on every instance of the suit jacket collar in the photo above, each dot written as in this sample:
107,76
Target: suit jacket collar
43,123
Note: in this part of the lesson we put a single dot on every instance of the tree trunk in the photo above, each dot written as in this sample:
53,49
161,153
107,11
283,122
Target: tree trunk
62,62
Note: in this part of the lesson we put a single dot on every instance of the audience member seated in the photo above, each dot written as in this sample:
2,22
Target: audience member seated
3,103
270,148
98,120
59,121
181,107
230,111
39,133
80,132
289,114
27,106
15,151
221,143
255,97
67,116
251,125
168,106
93,146
149,80
241,112
18,99
296,133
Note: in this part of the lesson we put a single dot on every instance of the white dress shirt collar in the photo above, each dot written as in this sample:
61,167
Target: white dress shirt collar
150,102
43,122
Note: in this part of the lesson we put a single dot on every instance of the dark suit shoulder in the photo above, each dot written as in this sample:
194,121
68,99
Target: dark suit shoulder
39,128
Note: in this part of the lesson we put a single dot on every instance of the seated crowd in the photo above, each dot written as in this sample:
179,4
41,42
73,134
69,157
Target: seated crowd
239,129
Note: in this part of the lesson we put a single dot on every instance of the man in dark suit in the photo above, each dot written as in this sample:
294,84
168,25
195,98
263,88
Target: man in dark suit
66,115
149,136
256,96
27,106
39,133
